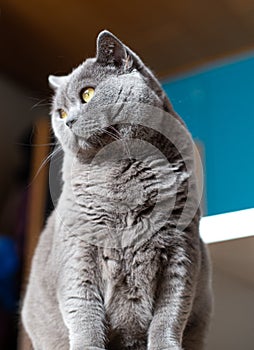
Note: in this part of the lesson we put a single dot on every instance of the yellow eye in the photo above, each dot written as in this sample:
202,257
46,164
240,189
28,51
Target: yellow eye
87,94
62,114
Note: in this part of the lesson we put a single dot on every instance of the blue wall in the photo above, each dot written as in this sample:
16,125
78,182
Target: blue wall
217,105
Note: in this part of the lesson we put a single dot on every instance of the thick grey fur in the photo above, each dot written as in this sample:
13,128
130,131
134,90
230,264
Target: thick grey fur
86,293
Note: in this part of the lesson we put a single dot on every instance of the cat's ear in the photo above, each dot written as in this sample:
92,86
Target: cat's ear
110,50
56,81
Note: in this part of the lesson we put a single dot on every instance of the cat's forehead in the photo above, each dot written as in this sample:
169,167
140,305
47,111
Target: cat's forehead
89,73
91,70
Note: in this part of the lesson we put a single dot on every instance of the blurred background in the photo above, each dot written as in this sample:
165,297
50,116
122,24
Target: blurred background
203,53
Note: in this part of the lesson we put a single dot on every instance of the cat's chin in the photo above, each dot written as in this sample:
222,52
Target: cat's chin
96,141
83,143
90,146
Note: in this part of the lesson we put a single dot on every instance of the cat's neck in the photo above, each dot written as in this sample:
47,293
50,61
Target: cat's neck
72,163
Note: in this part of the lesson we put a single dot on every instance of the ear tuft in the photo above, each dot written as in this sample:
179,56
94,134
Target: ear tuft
56,81
110,50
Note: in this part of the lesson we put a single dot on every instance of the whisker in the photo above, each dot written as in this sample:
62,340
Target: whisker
41,104
110,134
56,151
115,130
35,144
125,145
97,139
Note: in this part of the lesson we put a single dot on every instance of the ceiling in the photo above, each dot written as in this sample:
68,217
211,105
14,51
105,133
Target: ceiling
53,36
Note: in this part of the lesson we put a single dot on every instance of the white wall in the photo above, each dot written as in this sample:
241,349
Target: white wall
233,321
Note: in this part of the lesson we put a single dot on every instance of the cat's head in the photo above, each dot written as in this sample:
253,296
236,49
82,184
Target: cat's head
83,113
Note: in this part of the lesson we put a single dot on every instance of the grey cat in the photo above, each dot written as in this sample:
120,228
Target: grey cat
120,264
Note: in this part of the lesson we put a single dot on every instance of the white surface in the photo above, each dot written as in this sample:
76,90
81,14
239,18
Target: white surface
222,227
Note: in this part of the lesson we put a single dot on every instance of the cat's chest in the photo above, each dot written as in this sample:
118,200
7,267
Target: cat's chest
129,277
116,202
123,185
99,202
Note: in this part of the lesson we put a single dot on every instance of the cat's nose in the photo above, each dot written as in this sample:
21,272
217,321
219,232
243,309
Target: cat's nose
70,121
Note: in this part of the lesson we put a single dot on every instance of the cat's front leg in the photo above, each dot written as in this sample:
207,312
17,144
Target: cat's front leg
83,315
81,304
174,300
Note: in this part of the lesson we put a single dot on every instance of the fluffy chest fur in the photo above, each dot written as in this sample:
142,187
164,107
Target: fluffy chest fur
129,282
113,203
109,206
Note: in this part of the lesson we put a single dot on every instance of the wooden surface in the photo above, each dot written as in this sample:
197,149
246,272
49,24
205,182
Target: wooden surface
36,206
54,36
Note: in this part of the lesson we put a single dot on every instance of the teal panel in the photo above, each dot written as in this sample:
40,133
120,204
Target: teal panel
217,105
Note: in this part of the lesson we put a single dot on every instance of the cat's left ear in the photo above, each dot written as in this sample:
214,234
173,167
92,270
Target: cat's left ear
56,81
110,50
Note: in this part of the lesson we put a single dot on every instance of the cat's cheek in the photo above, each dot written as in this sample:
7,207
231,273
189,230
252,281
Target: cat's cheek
57,127
64,135
71,144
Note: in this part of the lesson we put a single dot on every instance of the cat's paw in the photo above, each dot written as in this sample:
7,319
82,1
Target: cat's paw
87,348
173,347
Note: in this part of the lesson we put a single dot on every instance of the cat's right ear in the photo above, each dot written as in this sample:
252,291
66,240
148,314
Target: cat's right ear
56,81
110,50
